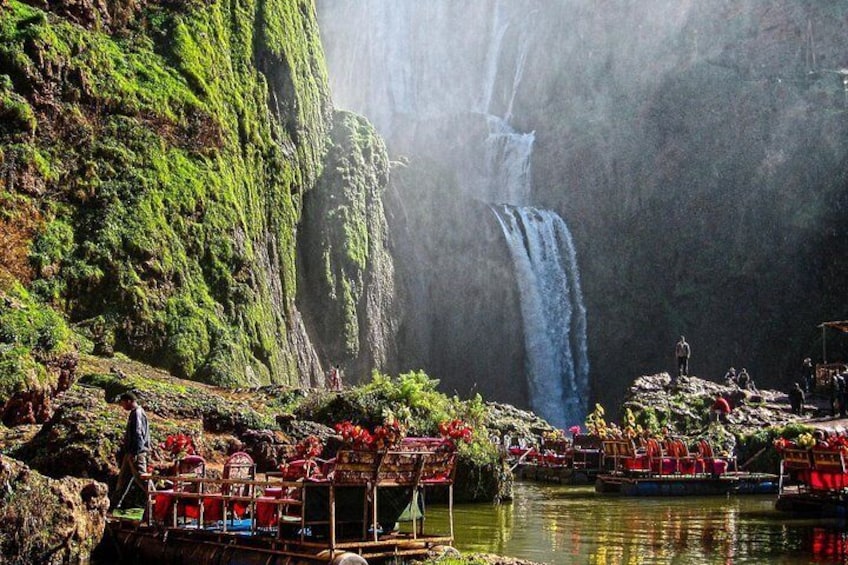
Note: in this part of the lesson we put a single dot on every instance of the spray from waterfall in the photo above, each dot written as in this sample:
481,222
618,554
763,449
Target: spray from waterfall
553,313
404,81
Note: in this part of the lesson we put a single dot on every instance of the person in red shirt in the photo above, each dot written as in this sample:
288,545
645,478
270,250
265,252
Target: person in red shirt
720,410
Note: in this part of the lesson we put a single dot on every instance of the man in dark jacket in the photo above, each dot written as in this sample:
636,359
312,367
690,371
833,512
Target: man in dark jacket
796,399
682,352
808,372
136,445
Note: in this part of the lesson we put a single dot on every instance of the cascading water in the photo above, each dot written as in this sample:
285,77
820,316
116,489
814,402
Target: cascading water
541,247
411,79
553,312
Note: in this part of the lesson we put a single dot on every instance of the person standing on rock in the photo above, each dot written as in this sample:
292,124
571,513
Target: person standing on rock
808,373
136,446
334,379
682,351
796,399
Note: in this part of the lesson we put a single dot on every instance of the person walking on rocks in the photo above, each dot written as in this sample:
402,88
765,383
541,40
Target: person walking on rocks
136,446
796,399
682,351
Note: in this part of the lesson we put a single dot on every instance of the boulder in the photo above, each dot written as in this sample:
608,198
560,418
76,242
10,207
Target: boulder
684,407
48,521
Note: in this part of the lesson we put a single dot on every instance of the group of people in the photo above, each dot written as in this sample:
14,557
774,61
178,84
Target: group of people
741,379
683,351
837,388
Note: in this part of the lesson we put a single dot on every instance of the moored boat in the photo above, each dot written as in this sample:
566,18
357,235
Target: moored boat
561,461
672,470
814,479
346,516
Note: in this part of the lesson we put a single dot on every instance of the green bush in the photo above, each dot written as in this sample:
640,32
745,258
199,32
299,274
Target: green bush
767,460
30,333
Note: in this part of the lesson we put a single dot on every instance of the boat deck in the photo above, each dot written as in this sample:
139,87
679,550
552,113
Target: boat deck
213,545
687,485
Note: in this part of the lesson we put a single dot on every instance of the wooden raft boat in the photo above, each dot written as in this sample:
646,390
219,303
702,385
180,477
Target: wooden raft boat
577,462
344,518
813,482
674,471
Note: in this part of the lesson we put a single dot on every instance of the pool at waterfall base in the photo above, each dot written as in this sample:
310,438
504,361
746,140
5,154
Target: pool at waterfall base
560,524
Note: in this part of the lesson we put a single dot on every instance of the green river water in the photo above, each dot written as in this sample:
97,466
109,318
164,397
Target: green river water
563,524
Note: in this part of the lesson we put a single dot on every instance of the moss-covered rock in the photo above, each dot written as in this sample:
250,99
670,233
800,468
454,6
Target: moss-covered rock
347,272
48,521
84,435
37,357
175,142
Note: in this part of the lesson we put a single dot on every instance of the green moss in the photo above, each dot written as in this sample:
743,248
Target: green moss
30,333
343,242
16,115
184,149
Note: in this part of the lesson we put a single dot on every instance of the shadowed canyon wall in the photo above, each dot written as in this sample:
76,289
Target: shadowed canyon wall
696,150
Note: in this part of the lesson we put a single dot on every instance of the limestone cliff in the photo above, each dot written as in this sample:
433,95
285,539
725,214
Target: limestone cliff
154,160
346,270
696,149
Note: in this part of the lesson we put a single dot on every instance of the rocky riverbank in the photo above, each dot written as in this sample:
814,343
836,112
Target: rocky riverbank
757,416
81,437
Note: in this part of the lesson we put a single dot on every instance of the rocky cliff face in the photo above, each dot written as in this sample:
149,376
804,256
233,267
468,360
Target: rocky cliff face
154,159
48,521
346,271
696,150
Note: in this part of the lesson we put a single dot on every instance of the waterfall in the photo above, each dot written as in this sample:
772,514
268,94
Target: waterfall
410,66
507,154
553,313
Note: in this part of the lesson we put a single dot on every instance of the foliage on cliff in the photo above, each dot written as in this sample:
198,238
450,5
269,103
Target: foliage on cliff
412,398
346,267
37,356
153,160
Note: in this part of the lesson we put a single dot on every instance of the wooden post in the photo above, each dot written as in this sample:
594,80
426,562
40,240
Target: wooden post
200,505
450,508
374,511
824,345
224,509
332,519
303,490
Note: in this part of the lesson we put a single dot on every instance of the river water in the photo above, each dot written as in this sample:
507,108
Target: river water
563,524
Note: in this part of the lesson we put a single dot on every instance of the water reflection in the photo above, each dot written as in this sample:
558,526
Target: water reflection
561,525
